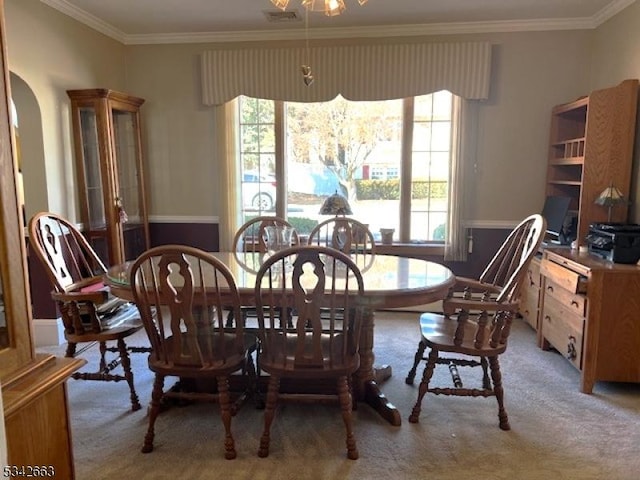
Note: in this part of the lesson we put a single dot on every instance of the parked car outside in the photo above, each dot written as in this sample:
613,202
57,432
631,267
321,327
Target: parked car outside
258,192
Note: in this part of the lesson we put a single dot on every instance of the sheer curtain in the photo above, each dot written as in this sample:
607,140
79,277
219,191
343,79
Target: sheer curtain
464,141
226,146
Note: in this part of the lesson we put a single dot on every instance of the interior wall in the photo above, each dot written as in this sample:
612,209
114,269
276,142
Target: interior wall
616,56
51,53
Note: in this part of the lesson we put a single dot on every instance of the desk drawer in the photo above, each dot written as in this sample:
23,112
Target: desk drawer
533,273
573,302
563,329
567,279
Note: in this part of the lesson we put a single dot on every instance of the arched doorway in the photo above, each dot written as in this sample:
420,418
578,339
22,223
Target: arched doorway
32,176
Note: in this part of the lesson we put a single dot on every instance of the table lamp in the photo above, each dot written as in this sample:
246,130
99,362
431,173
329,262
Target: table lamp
610,197
336,204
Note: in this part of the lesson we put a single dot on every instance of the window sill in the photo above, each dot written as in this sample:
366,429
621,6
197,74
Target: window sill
410,249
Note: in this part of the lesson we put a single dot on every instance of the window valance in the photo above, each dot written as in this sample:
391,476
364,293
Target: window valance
357,72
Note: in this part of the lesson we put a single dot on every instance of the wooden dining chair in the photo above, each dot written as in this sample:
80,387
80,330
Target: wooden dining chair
189,336
475,326
251,237
89,312
345,234
303,282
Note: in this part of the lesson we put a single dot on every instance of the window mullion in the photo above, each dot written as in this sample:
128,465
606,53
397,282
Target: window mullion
281,164
405,170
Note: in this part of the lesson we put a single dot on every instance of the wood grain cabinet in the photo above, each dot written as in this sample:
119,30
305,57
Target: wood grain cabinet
34,394
591,147
529,300
589,312
110,172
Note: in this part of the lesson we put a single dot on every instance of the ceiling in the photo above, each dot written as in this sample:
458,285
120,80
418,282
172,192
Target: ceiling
178,21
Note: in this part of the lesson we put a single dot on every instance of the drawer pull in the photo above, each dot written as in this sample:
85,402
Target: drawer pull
574,303
550,288
572,353
548,318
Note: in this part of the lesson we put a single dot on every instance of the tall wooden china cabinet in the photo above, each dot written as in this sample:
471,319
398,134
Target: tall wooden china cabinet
33,385
110,174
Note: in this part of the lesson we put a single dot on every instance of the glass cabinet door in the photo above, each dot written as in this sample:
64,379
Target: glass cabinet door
126,148
129,198
92,177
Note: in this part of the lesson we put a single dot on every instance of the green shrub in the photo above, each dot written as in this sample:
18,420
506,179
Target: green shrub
390,189
303,225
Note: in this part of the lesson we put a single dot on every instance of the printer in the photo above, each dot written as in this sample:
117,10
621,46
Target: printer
616,242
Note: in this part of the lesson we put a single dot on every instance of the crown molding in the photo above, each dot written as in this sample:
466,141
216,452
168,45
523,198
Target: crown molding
508,26
89,20
610,10
364,32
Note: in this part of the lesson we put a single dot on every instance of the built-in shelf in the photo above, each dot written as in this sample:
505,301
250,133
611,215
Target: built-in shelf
590,148
567,161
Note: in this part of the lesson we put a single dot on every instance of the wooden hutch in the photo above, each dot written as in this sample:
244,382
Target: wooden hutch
585,307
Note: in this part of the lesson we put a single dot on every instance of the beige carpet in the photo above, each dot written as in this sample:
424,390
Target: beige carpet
557,432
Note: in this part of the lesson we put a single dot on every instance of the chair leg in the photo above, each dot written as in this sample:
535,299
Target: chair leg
103,358
416,360
424,385
156,404
230,320
269,414
347,417
496,376
257,394
259,400
71,350
128,374
486,383
225,412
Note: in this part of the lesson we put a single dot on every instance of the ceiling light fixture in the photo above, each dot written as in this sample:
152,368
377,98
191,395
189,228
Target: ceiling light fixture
329,7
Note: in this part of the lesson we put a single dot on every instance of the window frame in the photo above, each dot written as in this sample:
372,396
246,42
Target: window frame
404,244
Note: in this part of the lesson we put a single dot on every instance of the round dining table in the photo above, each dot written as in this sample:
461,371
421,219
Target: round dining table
390,282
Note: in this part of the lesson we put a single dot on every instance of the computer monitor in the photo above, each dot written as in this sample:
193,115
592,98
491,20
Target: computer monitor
555,212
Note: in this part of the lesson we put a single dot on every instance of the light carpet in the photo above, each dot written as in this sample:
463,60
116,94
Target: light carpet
556,431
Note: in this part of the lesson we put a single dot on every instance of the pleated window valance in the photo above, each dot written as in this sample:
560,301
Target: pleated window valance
357,72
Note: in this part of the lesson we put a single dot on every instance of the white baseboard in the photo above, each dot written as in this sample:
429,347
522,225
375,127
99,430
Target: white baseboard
48,332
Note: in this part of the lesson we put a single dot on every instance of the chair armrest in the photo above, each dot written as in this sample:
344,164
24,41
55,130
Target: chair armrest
454,304
464,282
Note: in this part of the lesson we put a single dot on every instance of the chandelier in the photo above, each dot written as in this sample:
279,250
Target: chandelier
329,7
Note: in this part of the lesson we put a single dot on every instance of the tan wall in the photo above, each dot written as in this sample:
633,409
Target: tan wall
51,53
616,56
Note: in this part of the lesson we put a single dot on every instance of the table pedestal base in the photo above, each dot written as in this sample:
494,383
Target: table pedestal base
381,404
